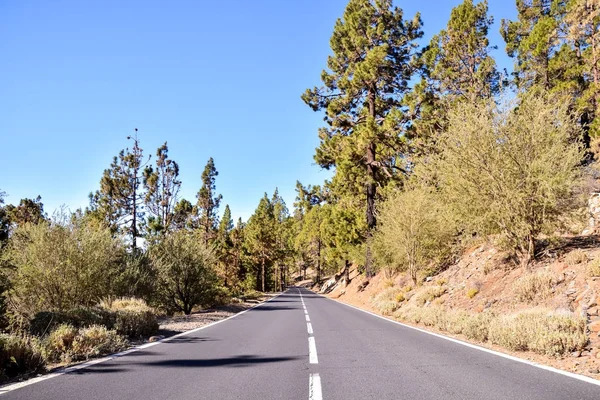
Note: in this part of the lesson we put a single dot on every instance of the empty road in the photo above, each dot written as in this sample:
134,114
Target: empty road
303,346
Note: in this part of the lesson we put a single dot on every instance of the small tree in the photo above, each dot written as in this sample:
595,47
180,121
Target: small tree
185,271
415,231
511,170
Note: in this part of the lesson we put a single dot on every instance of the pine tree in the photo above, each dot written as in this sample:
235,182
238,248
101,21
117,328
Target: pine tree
183,214
456,66
224,245
260,241
119,202
367,76
28,211
237,250
208,202
583,29
162,187
283,240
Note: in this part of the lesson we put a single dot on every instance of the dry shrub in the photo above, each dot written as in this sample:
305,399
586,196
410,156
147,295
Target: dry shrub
387,301
125,304
19,355
593,268
472,292
58,343
473,326
539,285
576,256
540,332
430,293
96,341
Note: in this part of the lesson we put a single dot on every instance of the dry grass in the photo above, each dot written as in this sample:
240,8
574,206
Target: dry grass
593,268
472,292
125,304
537,285
388,300
540,332
429,293
537,331
576,256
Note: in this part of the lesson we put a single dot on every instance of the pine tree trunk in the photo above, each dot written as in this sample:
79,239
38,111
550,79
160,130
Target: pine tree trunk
347,272
318,261
371,187
262,271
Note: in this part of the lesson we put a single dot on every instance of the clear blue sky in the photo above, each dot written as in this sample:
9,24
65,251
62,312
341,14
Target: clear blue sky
213,78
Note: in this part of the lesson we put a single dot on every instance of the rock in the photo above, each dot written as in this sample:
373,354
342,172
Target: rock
576,354
429,279
594,326
585,353
593,311
156,338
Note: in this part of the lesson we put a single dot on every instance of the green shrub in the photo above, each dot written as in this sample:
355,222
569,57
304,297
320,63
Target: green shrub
57,345
251,295
19,355
61,266
96,341
185,271
544,333
46,321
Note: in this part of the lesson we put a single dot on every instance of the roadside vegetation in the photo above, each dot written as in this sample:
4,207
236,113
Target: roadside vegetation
432,149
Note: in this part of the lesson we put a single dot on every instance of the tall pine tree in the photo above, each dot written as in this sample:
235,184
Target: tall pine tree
366,78
208,202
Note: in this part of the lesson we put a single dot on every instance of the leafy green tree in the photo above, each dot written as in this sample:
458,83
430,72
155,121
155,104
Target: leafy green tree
185,271
208,201
367,77
510,171
415,231
260,241
162,187
118,203
60,266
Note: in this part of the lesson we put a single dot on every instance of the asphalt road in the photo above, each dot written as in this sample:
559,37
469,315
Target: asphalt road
301,346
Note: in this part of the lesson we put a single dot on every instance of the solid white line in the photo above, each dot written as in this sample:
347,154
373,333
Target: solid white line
309,328
307,318
312,351
305,312
314,387
473,346
18,385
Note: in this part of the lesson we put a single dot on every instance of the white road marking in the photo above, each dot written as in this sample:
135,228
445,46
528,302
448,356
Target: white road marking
305,312
473,346
312,351
307,318
309,328
18,385
314,387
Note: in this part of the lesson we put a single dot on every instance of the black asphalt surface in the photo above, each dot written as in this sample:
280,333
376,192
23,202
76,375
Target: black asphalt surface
263,354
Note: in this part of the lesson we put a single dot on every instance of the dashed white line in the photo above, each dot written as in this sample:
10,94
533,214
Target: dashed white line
312,351
307,318
314,387
309,328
